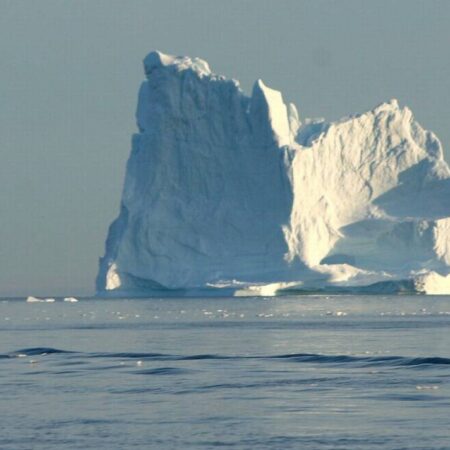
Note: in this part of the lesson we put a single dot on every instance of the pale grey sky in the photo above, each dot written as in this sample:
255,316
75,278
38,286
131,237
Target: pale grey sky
69,76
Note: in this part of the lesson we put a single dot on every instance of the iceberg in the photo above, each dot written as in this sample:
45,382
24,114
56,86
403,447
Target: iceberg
229,194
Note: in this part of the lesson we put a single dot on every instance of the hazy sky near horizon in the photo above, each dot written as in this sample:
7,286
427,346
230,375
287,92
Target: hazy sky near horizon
70,72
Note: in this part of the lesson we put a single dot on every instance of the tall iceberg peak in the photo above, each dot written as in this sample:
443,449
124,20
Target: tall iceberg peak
226,192
267,107
156,60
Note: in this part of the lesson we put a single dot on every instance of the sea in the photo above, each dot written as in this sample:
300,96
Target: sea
278,373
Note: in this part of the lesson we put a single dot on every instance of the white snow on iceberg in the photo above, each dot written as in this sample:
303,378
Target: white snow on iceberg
226,193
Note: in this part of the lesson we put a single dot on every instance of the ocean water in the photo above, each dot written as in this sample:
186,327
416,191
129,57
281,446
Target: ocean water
306,372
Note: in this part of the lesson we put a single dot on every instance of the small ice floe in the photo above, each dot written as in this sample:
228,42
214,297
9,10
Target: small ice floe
425,387
139,363
70,299
336,313
32,299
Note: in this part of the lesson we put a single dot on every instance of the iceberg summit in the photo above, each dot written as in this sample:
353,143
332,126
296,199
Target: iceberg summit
229,194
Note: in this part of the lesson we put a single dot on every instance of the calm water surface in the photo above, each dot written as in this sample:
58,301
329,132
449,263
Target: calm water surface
307,372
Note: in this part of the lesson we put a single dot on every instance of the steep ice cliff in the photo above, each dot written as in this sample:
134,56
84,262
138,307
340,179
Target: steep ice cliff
225,192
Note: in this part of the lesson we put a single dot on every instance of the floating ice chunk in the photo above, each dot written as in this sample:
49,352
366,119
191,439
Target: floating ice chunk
31,299
427,387
70,299
337,313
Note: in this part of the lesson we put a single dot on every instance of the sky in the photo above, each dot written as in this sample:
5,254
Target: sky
70,72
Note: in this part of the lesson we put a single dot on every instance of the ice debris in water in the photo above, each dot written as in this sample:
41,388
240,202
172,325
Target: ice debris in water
70,299
32,299
427,387
336,313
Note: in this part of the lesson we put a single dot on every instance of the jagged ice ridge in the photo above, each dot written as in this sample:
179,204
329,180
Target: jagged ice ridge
226,193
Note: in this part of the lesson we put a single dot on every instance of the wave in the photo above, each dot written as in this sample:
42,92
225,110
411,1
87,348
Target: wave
392,361
369,360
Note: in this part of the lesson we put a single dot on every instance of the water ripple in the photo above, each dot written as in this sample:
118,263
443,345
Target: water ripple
389,361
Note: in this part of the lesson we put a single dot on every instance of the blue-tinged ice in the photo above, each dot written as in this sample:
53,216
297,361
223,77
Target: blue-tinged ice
229,193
